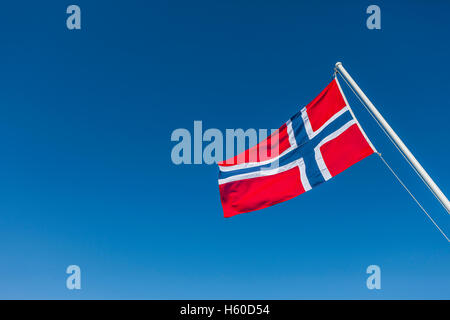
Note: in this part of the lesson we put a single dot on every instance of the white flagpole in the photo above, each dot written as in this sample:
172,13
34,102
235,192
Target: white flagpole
420,170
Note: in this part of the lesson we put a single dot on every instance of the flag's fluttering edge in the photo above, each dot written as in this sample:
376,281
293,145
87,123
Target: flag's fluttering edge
317,143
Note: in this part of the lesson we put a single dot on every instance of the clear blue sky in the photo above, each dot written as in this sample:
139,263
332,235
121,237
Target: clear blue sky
86,176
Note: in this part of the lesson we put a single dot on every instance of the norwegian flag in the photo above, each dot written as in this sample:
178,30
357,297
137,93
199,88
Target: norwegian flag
317,143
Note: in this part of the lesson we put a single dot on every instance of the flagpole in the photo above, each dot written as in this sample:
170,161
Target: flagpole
396,139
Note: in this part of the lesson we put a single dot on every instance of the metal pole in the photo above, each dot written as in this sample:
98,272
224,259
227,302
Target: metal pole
420,170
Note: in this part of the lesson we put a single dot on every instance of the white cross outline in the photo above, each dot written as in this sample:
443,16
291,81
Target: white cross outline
300,162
